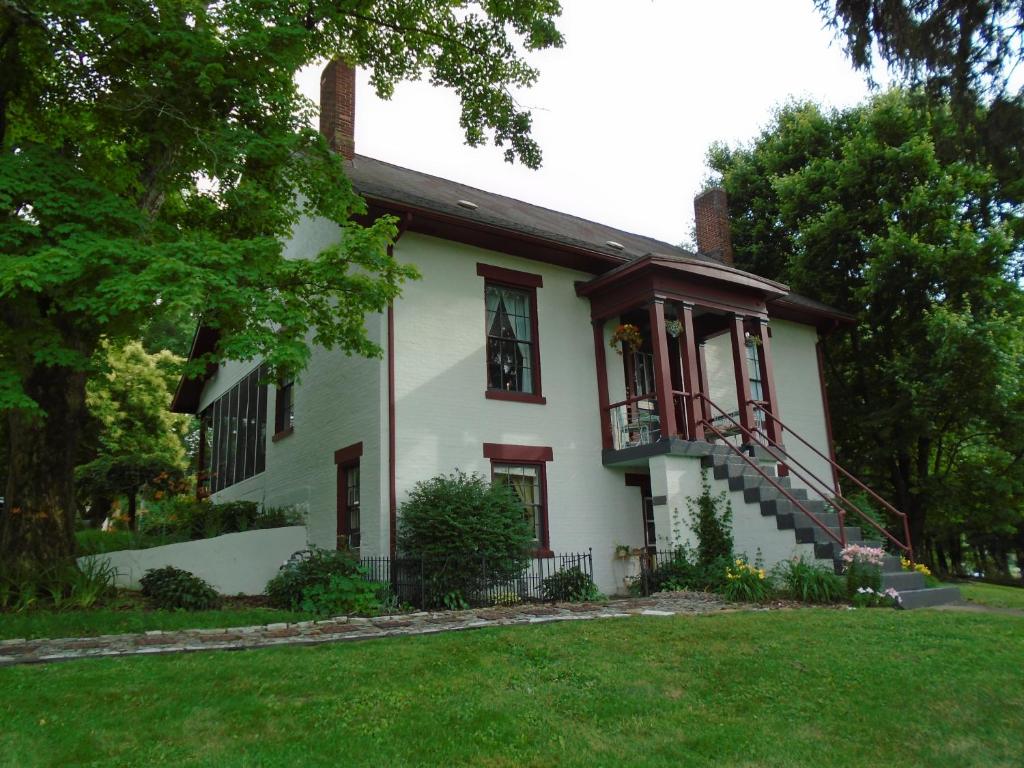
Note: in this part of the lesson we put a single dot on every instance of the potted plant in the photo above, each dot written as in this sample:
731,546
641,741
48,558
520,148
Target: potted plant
626,335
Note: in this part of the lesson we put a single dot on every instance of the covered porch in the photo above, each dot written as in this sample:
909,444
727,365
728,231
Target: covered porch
652,320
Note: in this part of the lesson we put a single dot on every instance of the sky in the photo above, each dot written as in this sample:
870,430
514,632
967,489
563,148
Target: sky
625,111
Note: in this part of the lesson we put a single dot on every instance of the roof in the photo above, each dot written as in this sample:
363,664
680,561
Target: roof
386,182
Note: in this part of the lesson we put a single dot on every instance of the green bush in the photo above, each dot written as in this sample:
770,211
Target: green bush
187,518
171,587
808,582
572,585
342,594
711,519
469,534
65,585
311,578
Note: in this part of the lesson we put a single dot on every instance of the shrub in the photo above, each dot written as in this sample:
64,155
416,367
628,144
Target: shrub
341,594
65,585
711,518
863,569
469,533
171,587
809,582
278,517
746,583
316,569
573,585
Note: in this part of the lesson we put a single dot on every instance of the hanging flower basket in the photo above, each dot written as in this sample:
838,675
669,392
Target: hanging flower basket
673,328
626,335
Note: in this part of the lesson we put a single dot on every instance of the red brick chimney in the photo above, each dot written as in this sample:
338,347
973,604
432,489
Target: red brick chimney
711,214
338,107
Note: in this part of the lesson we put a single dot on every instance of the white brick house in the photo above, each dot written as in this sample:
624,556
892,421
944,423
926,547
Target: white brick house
499,361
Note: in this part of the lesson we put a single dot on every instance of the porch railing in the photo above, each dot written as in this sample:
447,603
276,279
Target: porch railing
636,420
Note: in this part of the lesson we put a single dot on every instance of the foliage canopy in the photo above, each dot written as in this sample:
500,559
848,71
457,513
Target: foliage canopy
153,158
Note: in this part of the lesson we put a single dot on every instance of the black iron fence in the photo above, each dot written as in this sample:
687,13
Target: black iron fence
660,568
475,580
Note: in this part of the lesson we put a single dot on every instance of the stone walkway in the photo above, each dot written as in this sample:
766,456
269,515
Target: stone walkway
343,628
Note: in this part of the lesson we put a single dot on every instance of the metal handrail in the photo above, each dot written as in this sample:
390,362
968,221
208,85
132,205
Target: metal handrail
631,401
840,539
835,465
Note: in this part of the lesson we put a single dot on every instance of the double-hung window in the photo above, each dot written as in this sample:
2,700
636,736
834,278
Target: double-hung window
510,325
526,481
349,523
523,468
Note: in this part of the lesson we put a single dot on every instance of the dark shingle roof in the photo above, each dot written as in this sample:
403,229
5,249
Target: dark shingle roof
377,179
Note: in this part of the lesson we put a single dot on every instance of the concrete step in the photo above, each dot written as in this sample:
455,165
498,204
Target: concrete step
903,580
766,492
891,564
794,518
808,534
925,598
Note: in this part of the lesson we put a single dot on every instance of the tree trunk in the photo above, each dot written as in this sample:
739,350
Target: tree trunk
37,522
133,496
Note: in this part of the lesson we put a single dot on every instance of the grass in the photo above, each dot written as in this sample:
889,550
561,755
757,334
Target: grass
112,621
992,595
923,688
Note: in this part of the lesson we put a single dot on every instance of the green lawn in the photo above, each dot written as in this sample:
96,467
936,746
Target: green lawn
793,688
110,621
993,595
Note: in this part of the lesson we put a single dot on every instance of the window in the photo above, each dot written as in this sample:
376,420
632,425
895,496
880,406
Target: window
756,384
526,480
523,468
510,325
349,526
284,409
233,436
350,489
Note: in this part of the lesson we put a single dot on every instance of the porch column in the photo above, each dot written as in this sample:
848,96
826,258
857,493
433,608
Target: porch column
771,428
662,369
602,385
694,407
739,363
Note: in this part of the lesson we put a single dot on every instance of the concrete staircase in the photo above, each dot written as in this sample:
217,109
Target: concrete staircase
729,469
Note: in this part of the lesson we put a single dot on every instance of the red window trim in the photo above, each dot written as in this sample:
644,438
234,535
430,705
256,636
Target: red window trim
529,283
348,454
533,455
515,397
511,277
522,454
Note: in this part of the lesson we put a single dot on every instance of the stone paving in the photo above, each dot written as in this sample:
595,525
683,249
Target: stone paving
342,628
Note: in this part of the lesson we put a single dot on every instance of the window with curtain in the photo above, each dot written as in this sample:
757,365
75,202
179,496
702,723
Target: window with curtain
234,431
525,481
510,342
284,407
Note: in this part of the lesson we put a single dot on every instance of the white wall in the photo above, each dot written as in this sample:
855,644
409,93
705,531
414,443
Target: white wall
443,418
339,400
799,394
236,563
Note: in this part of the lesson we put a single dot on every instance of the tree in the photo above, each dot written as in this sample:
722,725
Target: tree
962,48
871,210
966,51
131,435
155,151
